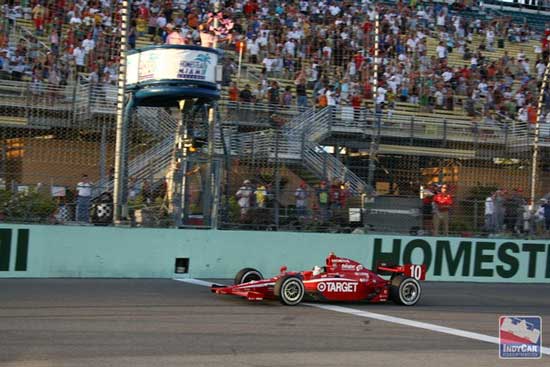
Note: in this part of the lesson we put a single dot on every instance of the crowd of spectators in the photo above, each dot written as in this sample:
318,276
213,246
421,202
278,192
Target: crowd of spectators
509,212
325,47
68,38
328,47
321,204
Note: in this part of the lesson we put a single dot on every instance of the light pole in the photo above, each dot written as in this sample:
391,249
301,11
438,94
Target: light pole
119,184
240,45
211,218
373,143
535,157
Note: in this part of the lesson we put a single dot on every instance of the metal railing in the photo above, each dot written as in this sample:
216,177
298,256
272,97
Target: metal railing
86,99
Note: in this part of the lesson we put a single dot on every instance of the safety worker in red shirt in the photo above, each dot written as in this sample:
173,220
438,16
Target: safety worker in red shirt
442,202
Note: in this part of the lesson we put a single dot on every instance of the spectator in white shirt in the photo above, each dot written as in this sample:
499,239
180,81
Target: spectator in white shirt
76,20
490,39
334,10
331,96
79,55
83,199
253,47
290,48
447,75
441,51
88,44
380,96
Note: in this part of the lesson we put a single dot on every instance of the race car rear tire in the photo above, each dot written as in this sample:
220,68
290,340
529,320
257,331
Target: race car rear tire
247,275
405,290
290,290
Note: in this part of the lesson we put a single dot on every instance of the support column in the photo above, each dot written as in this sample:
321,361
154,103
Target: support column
179,186
535,157
377,116
103,157
121,161
210,216
120,185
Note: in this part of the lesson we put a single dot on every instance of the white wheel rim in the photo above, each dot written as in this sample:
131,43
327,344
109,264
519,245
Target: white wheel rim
292,291
410,291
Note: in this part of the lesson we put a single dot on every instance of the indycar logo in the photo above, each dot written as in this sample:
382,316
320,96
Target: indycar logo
344,287
520,336
520,328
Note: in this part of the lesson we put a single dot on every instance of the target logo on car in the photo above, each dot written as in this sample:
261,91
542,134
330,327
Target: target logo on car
337,286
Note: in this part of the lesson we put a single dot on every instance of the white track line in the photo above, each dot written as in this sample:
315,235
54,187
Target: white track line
416,324
195,282
392,319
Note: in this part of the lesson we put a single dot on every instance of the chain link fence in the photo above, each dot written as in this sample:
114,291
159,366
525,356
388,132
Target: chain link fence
277,167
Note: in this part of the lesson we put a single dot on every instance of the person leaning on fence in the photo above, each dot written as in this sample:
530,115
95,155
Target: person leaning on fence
539,217
61,214
244,196
514,211
335,192
442,202
499,210
546,213
490,218
83,199
323,197
301,201
261,196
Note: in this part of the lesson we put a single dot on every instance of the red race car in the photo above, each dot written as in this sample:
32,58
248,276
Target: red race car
340,279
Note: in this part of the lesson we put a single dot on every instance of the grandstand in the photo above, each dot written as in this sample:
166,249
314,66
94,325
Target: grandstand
461,114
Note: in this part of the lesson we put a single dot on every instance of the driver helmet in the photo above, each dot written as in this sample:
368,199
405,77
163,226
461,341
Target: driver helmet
317,270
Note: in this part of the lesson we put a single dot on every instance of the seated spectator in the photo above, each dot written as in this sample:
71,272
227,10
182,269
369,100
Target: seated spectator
174,36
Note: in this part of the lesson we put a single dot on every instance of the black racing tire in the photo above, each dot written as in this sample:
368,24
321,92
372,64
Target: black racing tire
405,290
247,275
290,290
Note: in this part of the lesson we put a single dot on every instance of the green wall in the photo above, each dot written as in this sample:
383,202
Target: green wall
66,251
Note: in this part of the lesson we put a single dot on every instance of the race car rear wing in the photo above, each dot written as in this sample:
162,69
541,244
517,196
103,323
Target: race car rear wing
411,270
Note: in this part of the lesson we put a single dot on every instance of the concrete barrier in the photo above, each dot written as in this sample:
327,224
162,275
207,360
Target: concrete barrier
66,251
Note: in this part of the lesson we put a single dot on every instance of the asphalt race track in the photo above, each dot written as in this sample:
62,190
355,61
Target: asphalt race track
92,322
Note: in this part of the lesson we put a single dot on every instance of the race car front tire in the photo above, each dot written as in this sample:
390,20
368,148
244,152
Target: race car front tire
290,290
247,275
405,290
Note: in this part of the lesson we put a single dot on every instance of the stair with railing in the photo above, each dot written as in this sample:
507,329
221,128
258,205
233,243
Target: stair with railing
298,141
156,121
312,130
154,162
